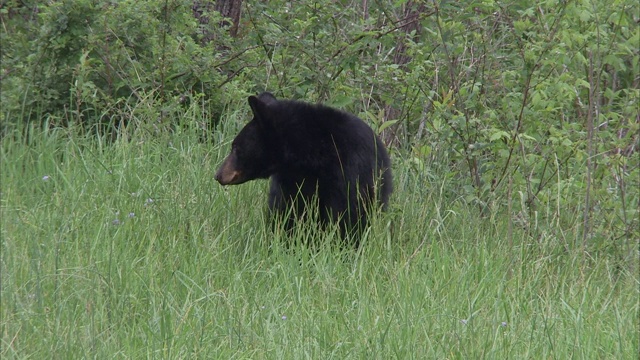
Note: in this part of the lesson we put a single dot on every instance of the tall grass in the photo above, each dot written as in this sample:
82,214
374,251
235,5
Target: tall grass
132,250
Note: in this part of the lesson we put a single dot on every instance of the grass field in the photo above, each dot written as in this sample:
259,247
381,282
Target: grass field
132,250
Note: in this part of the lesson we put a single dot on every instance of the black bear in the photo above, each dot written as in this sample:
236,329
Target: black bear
316,156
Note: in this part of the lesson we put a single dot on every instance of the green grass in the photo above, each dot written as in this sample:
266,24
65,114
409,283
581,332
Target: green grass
132,250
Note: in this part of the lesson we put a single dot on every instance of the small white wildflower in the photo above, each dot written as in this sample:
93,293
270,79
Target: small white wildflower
46,178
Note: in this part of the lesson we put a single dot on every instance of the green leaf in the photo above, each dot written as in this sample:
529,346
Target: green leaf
499,135
386,124
340,101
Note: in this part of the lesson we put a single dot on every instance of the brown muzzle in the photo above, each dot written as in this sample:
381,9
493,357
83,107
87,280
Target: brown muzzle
228,174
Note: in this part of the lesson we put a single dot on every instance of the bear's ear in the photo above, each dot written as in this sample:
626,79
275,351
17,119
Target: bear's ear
259,108
267,98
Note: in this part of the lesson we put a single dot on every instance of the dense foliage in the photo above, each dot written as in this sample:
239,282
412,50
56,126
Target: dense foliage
532,105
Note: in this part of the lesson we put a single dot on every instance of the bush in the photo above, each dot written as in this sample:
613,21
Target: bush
98,63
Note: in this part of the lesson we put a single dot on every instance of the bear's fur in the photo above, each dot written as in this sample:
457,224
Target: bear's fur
315,156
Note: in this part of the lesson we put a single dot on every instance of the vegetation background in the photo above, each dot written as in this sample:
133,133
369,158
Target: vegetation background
514,230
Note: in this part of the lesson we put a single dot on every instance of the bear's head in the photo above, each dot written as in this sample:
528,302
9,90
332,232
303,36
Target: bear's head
254,151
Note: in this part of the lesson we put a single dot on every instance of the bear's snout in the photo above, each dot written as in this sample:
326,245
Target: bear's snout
227,174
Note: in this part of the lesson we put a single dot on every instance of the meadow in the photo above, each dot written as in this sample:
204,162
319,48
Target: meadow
130,249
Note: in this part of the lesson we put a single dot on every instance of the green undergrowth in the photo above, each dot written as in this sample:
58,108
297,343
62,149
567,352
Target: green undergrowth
132,250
